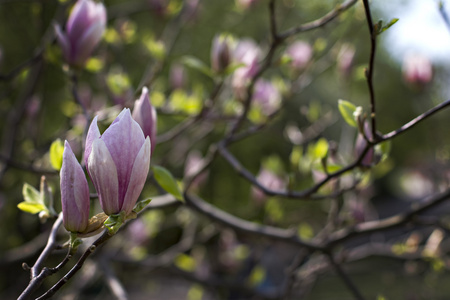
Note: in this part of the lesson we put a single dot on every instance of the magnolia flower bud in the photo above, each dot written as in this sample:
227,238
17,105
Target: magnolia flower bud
145,115
300,53
84,30
417,69
269,180
220,53
118,162
345,59
245,4
74,193
177,77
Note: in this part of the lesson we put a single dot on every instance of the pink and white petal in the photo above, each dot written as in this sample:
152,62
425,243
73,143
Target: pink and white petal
103,173
93,134
124,139
138,177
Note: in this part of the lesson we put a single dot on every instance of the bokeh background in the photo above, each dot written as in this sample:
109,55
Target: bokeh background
146,43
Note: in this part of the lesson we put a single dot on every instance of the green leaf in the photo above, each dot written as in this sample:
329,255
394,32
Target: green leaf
257,276
321,148
30,194
347,109
166,180
94,65
32,208
141,205
56,154
114,222
196,64
380,28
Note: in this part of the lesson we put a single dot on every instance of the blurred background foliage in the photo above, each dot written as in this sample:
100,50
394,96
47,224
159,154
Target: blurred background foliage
141,40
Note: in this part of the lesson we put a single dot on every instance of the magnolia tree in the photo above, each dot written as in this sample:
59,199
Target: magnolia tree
240,172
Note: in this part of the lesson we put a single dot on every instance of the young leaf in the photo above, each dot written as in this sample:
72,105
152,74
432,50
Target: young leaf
321,148
141,205
56,153
347,109
30,194
196,64
29,207
167,182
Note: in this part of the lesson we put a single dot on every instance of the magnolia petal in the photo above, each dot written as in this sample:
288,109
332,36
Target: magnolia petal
93,134
124,139
87,42
74,193
79,19
138,176
145,115
103,173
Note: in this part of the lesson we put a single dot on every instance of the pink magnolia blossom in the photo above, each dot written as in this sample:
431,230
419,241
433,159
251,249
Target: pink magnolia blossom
267,96
84,30
118,162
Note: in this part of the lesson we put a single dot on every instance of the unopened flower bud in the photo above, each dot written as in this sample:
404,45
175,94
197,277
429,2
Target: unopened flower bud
118,162
145,115
221,53
267,96
84,30
74,193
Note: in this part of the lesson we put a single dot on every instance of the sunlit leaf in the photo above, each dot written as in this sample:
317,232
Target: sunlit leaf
195,292
347,109
166,180
32,208
56,154
30,194
321,148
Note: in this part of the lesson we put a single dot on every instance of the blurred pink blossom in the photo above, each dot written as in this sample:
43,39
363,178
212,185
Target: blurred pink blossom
267,96
84,30
300,53
417,69
345,59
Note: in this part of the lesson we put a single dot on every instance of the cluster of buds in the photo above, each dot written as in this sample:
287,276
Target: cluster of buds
84,30
117,162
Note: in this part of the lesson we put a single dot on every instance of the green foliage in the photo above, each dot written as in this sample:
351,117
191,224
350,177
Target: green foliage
347,110
166,180
257,276
379,28
56,154
140,205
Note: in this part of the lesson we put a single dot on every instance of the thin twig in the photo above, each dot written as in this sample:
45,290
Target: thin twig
38,274
370,69
319,22
103,238
415,121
